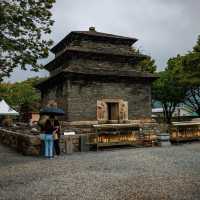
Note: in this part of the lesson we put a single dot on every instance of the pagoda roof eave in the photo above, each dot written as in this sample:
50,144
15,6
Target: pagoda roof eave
70,52
92,35
119,73
96,74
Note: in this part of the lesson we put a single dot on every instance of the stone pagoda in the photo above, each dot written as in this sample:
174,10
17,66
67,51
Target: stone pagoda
96,77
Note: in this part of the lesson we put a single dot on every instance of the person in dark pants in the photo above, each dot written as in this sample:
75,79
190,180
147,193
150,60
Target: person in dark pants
56,136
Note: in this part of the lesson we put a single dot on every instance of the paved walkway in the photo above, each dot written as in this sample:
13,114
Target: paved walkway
143,173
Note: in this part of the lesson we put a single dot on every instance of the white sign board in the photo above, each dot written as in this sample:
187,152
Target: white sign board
69,133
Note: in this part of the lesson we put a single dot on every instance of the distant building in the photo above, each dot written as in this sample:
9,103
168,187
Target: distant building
182,111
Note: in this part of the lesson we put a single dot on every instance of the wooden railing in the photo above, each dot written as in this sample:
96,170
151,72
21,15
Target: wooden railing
121,134
185,132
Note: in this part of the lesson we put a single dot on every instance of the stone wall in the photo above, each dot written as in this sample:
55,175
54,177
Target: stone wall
57,93
30,145
79,98
83,96
22,143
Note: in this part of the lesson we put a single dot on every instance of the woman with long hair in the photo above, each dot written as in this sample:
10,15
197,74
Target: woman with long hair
48,139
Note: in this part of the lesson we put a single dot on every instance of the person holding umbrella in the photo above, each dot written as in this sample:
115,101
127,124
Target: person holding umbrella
52,111
52,130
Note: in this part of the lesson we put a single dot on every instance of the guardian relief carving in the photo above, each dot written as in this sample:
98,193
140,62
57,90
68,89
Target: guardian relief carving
123,110
101,110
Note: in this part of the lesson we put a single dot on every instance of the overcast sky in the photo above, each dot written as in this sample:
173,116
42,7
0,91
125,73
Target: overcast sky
164,28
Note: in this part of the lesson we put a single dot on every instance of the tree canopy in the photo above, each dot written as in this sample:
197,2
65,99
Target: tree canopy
168,91
180,82
23,24
148,65
191,77
21,93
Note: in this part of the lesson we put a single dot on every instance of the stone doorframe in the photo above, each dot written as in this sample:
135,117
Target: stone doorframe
102,110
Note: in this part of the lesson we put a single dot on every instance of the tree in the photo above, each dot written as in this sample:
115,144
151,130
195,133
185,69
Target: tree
196,48
23,23
21,94
180,82
148,65
190,77
168,91
192,99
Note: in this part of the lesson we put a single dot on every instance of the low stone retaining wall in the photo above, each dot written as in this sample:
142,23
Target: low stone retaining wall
31,144
28,144
25,144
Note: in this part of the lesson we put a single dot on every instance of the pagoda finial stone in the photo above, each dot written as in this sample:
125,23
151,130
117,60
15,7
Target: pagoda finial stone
92,28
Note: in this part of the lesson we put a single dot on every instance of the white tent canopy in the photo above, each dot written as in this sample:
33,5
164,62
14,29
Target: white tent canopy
5,109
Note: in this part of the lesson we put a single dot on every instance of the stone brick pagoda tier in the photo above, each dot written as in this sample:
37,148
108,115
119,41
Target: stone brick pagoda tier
96,77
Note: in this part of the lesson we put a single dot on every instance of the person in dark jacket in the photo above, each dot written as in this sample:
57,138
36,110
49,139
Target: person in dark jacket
56,137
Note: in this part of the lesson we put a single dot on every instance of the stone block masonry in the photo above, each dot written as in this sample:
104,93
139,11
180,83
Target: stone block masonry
30,145
79,98
82,101
22,143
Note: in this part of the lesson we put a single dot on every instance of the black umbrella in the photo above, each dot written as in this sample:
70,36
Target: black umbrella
52,111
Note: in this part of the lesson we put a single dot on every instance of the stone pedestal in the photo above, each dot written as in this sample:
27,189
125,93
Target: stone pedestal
68,144
163,139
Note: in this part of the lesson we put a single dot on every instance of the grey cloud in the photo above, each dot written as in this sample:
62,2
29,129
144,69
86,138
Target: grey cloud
164,27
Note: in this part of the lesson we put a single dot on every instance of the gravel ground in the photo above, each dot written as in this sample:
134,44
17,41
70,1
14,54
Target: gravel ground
125,174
